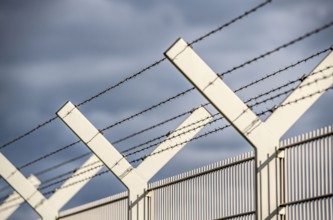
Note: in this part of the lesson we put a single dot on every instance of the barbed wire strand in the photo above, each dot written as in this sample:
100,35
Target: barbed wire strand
62,164
283,46
316,31
135,75
240,17
178,95
300,79
193,139
215,130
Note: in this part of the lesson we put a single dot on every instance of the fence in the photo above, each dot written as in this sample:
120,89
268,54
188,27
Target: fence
309,175
226,190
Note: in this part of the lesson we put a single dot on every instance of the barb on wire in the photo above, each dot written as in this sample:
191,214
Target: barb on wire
283,69
151,127
195,138
138,148
67,173
226,126
28,133
133,76
148,109
316,31
62,164
156,63
75,175
291,89
183,93
48,155
240,17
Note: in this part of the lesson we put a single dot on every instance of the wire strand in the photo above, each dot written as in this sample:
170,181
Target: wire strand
316,31
240,17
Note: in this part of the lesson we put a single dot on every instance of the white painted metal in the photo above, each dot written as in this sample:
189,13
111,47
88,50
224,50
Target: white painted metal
263,136
135,179
201,186
112,208
61,197
309,193
185,196
26,190
7,208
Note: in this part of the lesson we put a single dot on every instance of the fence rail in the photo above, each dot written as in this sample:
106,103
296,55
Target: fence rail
226,189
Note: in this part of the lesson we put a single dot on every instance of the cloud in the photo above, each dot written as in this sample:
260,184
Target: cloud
54,51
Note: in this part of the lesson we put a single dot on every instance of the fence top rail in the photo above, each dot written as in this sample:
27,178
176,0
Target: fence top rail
94,204
203,170
307,137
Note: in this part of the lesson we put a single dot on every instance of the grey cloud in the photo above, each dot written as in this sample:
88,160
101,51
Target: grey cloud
54,51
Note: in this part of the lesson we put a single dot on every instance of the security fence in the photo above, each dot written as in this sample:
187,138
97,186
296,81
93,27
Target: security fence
226,189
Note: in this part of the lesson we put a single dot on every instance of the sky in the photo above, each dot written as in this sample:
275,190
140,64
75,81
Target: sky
52,52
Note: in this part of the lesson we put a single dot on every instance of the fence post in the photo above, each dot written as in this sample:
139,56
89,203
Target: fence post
135,179
26,190
263,136
7,211
60,197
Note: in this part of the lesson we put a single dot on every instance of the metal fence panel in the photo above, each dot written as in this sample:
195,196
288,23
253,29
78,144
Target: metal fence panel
226,189
114,207
309,175
217,191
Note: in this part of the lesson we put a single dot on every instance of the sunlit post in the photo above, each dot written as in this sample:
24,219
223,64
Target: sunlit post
135,179
263,136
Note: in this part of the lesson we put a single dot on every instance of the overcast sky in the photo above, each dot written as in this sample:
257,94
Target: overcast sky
55,51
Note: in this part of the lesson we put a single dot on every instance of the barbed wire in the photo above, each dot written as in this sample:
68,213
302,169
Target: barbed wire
28,132
138,148
178,95
148,109
300,79
135,75
284,69
178,144
151,127
75,175
195,138
226,126
240,17
48,155
39,173
187,91
293,88
316,31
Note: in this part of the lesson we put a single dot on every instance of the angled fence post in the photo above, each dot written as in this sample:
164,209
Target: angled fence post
263,136
135,179
60,198
7,207
26,190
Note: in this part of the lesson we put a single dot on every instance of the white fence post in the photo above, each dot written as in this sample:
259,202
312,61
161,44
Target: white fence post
61,197
26,190
7,208
135,179
263,136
